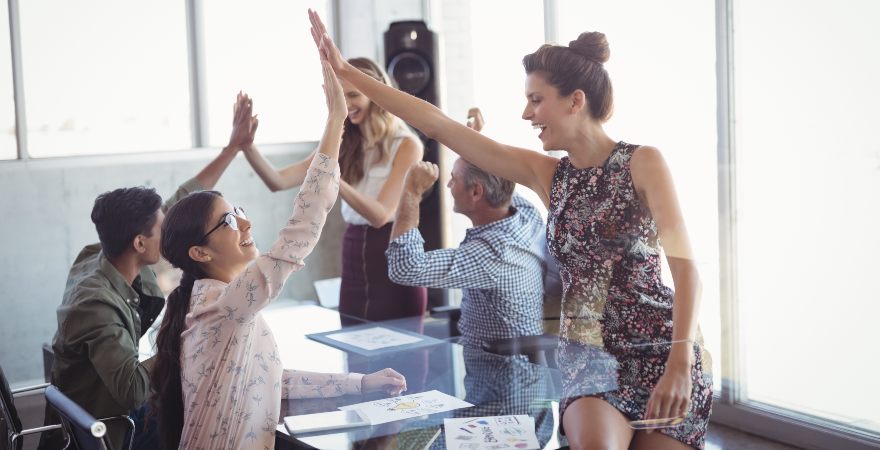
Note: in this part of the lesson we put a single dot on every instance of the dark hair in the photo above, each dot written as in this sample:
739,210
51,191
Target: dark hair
496,190
122,214
184,226
578,66
377,129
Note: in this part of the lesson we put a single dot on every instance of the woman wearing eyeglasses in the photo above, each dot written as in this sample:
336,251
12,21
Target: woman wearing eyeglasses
218,380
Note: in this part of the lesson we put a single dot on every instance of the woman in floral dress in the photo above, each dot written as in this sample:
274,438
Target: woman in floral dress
629,347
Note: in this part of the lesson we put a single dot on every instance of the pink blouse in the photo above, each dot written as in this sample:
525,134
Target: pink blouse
232,377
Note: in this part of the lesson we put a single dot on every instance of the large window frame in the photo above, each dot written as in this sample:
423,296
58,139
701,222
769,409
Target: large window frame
732,406
195,57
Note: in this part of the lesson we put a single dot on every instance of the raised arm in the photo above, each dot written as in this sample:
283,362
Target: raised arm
520,165
263,279
244,125
380,210
653,183
275,179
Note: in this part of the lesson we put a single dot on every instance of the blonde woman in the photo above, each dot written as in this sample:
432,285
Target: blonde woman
377,149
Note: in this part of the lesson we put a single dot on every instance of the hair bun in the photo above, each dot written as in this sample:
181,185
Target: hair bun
591,45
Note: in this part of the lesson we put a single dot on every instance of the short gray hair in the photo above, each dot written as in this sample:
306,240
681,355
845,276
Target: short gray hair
496,190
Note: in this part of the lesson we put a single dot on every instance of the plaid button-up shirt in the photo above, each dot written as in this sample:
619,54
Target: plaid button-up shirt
498,266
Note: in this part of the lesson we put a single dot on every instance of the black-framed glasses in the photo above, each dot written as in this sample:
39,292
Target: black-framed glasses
229,219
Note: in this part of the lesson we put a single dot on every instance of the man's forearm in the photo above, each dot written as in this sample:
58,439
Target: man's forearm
209,176
407,213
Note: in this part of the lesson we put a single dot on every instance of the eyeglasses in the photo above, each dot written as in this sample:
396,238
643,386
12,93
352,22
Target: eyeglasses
229,219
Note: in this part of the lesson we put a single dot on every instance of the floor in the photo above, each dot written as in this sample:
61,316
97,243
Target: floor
720,437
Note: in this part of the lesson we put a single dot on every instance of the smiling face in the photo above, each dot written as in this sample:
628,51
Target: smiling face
358,104
229,250
549,112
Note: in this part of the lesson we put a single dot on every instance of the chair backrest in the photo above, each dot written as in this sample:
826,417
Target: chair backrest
328,292
9,414
83,428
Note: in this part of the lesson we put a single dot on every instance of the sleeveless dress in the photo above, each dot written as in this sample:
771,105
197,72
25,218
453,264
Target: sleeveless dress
616,319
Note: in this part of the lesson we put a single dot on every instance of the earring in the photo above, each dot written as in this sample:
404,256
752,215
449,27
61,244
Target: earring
207,258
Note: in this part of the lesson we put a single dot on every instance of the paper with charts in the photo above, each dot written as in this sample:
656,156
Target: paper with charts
491,433
407,406
373,338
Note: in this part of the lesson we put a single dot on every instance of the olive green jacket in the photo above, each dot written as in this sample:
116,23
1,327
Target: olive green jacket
100,321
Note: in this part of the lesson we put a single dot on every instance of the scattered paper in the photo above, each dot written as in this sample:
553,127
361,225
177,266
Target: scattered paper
373,338
407,406
491,433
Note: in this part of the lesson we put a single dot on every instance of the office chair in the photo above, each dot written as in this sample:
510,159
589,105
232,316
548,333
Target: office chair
9,414
82,428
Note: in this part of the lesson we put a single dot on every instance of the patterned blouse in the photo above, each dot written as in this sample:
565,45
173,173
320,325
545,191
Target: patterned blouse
233,379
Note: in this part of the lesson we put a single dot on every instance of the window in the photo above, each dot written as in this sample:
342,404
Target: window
662,69
114,85
808,175
8,149
267,51
498,47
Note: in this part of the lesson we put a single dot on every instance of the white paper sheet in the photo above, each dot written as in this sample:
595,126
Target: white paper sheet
373,338
407,406
491,433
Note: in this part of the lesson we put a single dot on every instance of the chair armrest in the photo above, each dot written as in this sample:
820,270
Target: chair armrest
16,392
127,420
39,429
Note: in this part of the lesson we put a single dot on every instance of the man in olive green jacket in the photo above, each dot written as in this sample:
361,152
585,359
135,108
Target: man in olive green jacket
112,298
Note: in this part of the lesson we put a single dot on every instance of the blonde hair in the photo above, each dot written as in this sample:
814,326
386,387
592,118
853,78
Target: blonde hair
377,130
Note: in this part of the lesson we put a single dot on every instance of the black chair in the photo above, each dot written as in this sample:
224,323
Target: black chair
9,414
87,432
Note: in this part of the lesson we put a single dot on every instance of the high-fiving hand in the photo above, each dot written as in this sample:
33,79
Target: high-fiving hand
336,106
325,45
244,125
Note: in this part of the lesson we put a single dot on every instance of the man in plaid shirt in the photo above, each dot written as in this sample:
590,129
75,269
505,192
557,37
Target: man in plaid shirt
498,265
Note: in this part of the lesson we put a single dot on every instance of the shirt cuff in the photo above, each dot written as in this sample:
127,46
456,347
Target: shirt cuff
353,383
412,236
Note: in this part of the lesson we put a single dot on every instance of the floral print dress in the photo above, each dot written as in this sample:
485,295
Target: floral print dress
616,320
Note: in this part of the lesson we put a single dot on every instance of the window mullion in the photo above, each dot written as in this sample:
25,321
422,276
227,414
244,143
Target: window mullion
731,364
195,52
17,80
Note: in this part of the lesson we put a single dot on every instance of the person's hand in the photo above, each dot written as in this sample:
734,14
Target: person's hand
475,119
672,394
244,125
325,45
421,176
386,380
336,106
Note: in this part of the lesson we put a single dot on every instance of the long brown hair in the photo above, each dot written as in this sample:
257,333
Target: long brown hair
377,130
578,66
184,226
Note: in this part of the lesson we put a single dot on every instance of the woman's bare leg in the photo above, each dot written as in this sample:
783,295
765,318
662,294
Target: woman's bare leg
593,424
656,441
